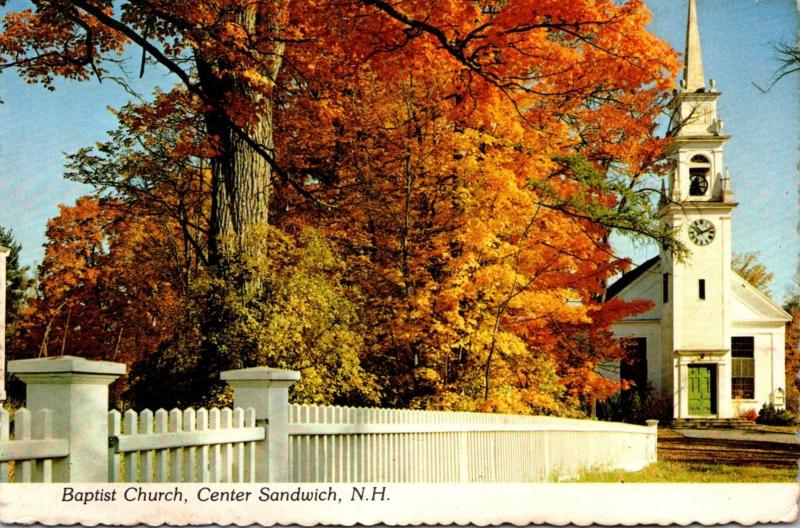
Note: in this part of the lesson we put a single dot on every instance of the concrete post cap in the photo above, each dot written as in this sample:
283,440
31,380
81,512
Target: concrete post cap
65,364
260,374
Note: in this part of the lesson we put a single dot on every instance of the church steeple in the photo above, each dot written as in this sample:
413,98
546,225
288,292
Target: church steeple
693,59
698,137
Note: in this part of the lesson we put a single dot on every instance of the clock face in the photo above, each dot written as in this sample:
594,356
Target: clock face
701,232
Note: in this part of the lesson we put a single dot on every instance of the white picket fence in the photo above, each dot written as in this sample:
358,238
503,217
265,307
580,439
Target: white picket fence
344,444
67,435
32,450
216,445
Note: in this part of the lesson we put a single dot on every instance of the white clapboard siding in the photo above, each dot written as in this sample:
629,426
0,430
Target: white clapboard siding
183,446
342,444
29,455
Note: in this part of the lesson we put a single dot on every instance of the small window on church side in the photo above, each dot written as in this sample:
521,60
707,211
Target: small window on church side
701,288
743,368
665,288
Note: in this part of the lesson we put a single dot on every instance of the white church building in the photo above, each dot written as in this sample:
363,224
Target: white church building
712,343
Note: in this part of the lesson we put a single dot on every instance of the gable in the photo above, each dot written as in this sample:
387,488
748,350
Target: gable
751,305
641,283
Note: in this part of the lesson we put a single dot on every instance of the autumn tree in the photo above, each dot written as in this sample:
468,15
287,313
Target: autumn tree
232,55
753,271
107,288
112,286
157,164
225,55
473,233
792,350
468,160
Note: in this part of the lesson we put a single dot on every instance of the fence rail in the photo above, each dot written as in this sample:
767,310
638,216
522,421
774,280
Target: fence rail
344,444
32,449
216,445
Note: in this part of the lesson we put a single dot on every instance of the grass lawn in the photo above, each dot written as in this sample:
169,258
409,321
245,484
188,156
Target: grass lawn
682,459
666,471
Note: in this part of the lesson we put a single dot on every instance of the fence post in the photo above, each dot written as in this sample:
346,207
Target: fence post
267,391
76,392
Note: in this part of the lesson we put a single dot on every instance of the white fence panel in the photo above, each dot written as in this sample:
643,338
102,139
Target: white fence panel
29,455
336,444
183,446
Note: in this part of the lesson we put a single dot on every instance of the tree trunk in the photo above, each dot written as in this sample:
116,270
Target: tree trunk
241,182
241,175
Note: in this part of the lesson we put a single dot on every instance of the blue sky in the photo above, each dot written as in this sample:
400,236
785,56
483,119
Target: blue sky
37,129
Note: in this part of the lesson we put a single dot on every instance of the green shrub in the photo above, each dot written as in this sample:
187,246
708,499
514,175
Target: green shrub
302,317
769,415
635,406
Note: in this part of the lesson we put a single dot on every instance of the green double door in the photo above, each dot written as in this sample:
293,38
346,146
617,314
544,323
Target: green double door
702,390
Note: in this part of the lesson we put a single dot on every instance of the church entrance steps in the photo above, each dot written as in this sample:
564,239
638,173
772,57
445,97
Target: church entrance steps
711,423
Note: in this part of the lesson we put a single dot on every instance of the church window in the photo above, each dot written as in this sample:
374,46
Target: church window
699,168
743,368
634,368
665,288
701,288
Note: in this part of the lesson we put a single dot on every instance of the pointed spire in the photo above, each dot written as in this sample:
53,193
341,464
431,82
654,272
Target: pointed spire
693,58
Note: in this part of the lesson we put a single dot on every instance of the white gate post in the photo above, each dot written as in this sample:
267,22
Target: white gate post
76,391
267,391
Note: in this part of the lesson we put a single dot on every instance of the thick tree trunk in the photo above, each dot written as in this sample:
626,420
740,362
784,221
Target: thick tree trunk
241,175
241,183
245,177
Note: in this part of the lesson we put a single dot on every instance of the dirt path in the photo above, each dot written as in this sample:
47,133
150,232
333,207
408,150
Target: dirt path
746,435
676,447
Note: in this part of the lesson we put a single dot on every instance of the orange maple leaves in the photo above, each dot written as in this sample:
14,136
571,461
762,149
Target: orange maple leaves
427,159
107,290
425,135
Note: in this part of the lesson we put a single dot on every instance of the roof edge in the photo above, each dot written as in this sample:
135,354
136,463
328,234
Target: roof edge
629,277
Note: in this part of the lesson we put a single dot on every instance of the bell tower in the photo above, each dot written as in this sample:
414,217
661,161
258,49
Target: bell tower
697,172
697,205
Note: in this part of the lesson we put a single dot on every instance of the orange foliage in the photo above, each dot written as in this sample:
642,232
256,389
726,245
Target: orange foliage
478,287
108,288
431,130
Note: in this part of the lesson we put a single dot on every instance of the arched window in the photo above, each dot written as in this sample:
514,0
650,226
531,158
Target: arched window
699,168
